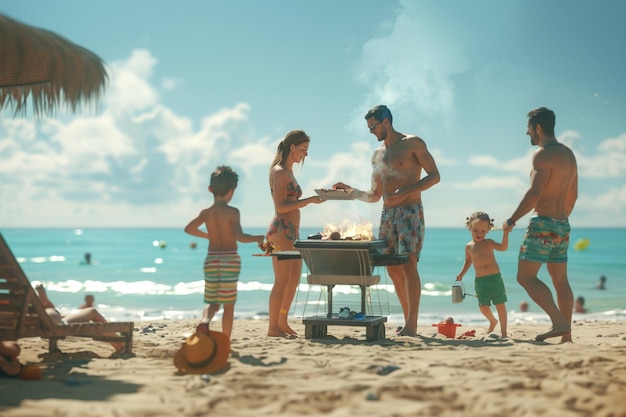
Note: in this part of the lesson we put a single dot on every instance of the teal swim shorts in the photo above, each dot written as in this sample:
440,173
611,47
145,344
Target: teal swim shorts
546,240
490,288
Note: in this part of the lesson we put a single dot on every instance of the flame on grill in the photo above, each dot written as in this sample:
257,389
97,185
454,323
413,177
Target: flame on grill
348,230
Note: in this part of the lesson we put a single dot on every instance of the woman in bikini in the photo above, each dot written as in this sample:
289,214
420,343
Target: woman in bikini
283,231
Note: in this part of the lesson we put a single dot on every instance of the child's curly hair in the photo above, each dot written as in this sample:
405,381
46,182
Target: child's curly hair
477,216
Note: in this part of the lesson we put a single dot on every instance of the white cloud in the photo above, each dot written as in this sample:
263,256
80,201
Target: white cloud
614,199
441,159
609,160
129,88
353,168
484,161
252,155
490,183
605,208
136,157
170,84
139,163
521,165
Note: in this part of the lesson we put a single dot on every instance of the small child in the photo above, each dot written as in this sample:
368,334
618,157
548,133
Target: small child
488,285
222,264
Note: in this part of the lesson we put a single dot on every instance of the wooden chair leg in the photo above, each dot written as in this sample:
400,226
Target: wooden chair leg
52,345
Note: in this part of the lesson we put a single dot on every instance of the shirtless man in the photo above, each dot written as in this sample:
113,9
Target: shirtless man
552,194
397,177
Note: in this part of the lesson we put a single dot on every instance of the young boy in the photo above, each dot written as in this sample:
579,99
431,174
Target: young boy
488,285
222,264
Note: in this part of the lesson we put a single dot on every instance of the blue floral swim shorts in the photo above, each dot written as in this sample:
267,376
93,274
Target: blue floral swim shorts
403,229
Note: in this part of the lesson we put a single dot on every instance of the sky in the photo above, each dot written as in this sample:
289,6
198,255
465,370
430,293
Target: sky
197,84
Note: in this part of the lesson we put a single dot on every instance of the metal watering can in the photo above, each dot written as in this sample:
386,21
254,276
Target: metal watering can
458,292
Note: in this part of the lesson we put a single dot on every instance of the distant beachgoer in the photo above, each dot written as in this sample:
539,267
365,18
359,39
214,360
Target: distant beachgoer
89,300
579,305
601,283
88,258
397,168
284,228
85,315
9,364
552,194
488,284
222,265
523,306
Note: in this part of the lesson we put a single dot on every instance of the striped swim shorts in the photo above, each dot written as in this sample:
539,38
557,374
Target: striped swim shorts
221,274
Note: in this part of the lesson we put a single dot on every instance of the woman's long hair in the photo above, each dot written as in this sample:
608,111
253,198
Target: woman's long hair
295,137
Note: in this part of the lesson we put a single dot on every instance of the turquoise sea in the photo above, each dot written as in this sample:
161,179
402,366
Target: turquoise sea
150,274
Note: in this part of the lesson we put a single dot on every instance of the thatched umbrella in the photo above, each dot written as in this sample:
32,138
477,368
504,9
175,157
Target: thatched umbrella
47,67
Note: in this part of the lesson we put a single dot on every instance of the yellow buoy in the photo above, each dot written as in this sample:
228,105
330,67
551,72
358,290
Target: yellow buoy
582,243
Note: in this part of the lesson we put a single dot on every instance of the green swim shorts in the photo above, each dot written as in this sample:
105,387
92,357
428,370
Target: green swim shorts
490,288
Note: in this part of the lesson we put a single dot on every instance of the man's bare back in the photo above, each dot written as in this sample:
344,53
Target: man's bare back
552,194
557,164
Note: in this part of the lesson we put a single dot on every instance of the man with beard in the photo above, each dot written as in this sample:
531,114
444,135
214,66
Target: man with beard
397,177
552,194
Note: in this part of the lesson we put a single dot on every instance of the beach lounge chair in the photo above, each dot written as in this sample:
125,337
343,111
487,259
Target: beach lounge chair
22,314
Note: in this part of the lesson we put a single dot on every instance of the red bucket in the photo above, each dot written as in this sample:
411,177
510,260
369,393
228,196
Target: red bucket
447,329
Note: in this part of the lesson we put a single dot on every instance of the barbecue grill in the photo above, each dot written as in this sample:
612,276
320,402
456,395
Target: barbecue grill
345,262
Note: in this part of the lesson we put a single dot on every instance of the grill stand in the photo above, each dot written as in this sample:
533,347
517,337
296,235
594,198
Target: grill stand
333,263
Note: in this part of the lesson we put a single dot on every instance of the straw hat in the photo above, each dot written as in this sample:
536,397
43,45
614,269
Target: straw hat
203,354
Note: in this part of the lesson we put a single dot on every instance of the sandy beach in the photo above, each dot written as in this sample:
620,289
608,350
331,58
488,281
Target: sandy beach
340,375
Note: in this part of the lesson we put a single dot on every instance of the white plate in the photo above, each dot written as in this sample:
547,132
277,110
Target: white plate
336,194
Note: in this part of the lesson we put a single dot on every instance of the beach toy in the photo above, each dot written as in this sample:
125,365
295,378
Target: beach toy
582,243
458,292
447,329
31,373
344,313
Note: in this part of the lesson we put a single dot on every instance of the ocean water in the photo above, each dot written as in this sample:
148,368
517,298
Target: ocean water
150,274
